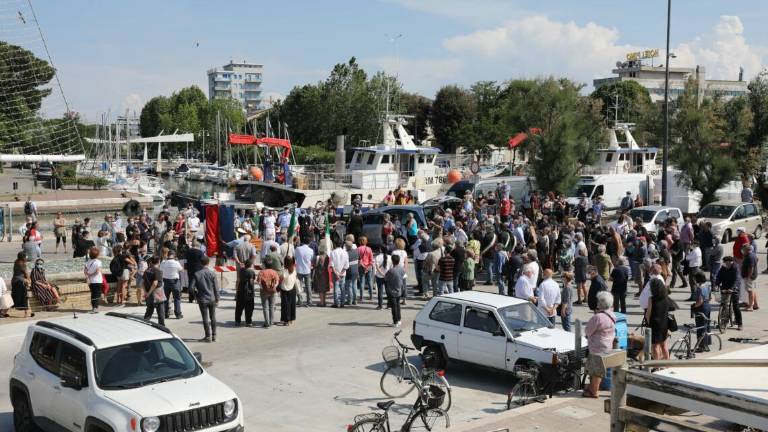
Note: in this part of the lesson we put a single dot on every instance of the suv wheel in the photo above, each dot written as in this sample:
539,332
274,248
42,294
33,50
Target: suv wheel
758,231
727,236
22,415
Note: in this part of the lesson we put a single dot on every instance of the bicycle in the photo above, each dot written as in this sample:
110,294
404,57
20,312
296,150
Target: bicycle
725,316
526,390
683,348
426,409
401,376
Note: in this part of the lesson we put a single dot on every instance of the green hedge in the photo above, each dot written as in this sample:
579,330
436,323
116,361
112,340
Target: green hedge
313,155
84,181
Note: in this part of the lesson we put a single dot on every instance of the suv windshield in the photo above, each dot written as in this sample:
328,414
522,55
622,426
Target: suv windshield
644,215
141,363
523,317
715,211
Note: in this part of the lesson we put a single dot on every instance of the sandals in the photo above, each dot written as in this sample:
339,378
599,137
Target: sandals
588,394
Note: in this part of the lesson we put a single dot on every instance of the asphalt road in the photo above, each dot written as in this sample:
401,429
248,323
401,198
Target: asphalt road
321,372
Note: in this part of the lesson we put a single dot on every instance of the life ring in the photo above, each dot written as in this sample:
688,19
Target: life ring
626,166
132,208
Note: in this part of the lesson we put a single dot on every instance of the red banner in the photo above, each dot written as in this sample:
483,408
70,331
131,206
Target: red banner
211,230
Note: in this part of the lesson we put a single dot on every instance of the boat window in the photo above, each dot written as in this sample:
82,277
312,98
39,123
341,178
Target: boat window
385,159
621,157
370,158
430,158
609,157
421,159
359,158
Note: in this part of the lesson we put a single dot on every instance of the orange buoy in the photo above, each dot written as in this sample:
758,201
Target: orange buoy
257,173
454,175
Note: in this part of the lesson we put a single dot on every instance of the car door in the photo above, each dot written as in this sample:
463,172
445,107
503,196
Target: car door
43,377
752,219
443,326
70,405
481,339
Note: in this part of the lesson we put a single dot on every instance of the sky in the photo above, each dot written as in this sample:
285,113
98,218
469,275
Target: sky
116,55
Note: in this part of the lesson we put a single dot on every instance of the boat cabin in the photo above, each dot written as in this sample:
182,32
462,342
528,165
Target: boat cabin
625,156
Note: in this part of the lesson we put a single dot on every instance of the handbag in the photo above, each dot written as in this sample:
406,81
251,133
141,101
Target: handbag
6,301
671,323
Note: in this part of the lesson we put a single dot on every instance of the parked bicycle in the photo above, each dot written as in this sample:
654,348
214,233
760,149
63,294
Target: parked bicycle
725,316
684,348
401,376
425,414
526,390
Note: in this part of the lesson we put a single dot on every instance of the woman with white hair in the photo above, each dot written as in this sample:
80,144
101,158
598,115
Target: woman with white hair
600,333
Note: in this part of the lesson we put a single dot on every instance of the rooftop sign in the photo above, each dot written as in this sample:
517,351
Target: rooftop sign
638,55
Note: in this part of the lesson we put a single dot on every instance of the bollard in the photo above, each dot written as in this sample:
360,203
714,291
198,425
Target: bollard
647,344
577,335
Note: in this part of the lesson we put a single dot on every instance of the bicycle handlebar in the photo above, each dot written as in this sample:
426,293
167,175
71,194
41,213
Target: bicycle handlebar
402,345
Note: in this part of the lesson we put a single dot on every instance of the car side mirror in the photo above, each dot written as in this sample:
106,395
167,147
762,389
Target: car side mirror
71,381
198,356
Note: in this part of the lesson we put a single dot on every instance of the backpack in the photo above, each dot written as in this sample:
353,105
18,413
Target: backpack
116,266
28,208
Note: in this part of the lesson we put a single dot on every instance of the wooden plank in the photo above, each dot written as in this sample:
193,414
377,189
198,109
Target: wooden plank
709,362
657,422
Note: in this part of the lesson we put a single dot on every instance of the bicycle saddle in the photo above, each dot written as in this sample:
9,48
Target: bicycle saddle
385,405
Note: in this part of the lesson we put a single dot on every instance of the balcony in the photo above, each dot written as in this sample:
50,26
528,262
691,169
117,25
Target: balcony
221,87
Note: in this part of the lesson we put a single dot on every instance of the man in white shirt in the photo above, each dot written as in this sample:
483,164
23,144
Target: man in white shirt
533,264
694,264
645,294
339,264
171,268
267,244
524,287
193,225
269,225
549,296
304,257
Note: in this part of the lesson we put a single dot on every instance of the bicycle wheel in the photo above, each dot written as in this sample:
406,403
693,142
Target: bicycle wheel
367,425
428,419
397,382
438,381
715,343
681,349
522,394
724,316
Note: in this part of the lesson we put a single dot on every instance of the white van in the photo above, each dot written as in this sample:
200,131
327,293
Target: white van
612,187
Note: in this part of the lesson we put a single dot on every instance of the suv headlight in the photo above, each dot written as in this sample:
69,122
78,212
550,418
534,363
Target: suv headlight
150,424
230,408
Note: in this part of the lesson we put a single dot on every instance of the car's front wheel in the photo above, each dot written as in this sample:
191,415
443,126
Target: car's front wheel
435,355
22,415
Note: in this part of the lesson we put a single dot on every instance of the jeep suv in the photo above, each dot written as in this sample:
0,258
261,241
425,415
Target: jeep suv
490,330
115,373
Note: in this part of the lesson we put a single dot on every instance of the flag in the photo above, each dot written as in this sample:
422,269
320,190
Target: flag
327,239
292,225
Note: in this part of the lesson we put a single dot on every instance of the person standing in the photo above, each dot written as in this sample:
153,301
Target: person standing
620,277
400,251
580,264
394,281
726,279
467,273
600,332
657,317
596,286
365,267
60,231
694,263
524,288
207,295
288,290
193,264
245,294
350,281
382,264
499,262
171,268
94,278
627,203
304,257
446,266
566,301
748,275
701,310
154,296
30,209
339,264
549,296
269,280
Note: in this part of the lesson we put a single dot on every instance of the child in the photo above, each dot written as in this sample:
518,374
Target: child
467,272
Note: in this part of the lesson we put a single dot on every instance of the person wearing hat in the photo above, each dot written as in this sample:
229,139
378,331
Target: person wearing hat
627,203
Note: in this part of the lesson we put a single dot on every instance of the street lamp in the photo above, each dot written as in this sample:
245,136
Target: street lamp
665,159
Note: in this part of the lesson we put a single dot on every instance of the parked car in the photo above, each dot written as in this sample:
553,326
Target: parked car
373,220
653,216
727,216
490,330
114,373
441,202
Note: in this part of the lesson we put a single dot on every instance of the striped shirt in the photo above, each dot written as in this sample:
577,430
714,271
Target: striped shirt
446,264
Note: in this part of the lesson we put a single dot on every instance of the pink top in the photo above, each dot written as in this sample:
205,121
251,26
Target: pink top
600,332
365,255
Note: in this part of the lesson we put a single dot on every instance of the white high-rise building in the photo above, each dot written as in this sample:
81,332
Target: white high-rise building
239,81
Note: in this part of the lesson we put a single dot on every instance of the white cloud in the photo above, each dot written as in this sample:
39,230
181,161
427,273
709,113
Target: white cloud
537,45
476,11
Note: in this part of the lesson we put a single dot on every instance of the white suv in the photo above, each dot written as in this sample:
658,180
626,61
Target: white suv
490,330
115,373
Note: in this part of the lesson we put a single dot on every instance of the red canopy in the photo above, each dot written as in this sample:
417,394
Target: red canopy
237,139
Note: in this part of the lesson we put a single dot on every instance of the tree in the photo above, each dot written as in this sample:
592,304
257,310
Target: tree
695,149
420,108
758,103
453,111
738,125
156,117
633,101
570,128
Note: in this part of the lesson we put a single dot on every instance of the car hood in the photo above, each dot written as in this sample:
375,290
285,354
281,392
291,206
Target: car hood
550,338
173,396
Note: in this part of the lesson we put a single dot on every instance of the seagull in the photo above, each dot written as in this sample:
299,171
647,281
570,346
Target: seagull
197,44
21,18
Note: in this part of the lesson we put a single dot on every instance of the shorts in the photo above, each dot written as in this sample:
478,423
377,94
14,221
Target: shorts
749,284
125,275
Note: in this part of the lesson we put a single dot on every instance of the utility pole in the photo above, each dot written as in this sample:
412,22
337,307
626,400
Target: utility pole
665,158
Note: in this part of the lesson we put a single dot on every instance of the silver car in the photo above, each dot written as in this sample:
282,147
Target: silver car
727,216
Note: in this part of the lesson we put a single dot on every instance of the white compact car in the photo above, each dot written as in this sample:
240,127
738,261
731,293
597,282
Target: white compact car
115,373
653,216
490,330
